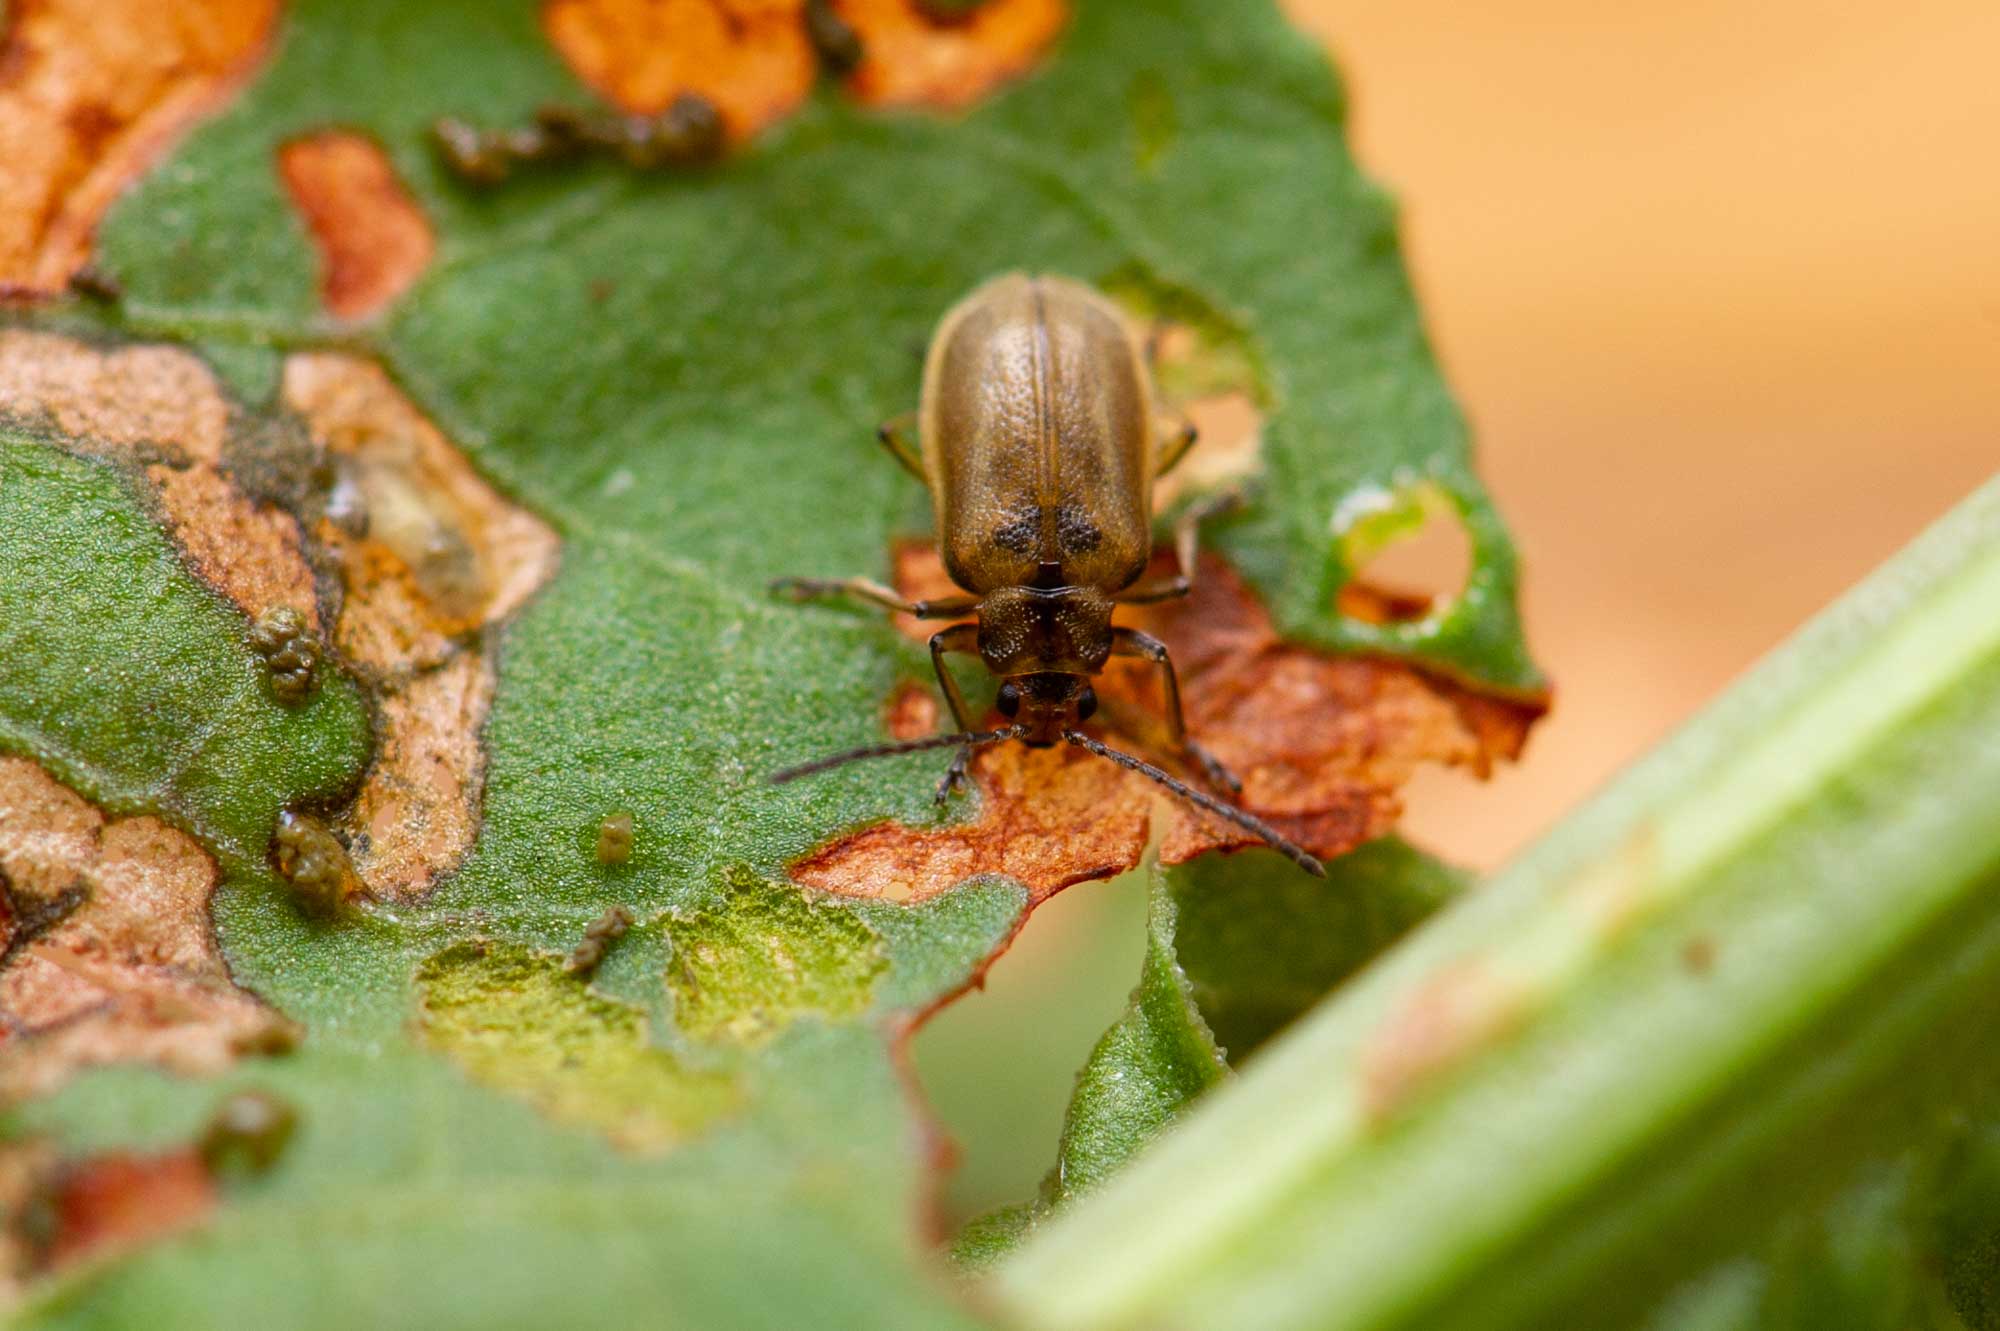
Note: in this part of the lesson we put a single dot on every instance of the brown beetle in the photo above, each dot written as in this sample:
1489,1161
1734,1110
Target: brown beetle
1040,442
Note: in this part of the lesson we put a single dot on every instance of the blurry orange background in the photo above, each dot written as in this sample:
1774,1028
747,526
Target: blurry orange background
1718,284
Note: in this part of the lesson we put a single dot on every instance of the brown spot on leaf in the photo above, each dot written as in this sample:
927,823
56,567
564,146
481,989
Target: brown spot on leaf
911,56
435,557
418,810
913,711
443,554
1698,954
1370,604
108,951
428,557
91,93
1322,744
161,406
1453,1015
115,1202
374,241
159,399
749,58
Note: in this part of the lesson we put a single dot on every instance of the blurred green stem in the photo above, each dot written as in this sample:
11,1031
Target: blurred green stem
1718,970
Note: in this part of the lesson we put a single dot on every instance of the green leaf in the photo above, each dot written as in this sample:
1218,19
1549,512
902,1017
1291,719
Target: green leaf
131,681
1239,946
679,374
1715,1053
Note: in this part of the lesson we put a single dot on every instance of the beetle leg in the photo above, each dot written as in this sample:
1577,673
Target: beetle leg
806,589
895,436
1174,446
1187,538
957,638
1131,642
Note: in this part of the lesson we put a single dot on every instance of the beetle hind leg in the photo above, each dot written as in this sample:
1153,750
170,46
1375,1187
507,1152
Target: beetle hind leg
1187,540
1175,443
894,435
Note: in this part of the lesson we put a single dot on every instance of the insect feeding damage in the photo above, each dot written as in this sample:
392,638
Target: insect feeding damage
91,93
373,239
108,952
406,554
693,78
1040,442
1323,743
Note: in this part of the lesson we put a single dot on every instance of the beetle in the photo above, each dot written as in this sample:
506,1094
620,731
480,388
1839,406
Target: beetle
1040,438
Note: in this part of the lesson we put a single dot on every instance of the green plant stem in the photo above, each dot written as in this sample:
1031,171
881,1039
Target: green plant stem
1779,918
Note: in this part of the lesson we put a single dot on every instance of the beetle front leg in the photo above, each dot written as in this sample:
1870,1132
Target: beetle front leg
957,638
866,589
1131,642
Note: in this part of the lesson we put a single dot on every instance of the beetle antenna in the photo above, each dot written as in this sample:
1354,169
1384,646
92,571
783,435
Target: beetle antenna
1248,822
967,737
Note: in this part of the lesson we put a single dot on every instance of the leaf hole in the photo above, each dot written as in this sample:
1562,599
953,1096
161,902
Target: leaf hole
1408,553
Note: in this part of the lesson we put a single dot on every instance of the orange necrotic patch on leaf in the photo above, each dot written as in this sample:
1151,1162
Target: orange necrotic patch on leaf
161,408
107,953
429,556
91,92
914,56
750,58
118,1201
1321,743
374,241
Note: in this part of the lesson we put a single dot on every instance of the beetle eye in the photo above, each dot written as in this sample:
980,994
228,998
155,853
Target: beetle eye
1086,703
1009,701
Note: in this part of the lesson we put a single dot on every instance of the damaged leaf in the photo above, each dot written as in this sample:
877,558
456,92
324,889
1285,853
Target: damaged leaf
523,472
1235,949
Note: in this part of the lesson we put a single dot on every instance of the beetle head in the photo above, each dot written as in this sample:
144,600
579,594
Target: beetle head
1045,704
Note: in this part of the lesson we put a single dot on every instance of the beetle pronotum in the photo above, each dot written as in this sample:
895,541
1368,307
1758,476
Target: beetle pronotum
1040,439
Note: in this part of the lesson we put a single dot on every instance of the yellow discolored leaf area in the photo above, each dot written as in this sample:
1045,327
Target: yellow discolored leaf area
767,955
514,1018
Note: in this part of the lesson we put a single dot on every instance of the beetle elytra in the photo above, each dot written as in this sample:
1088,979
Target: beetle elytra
1040,438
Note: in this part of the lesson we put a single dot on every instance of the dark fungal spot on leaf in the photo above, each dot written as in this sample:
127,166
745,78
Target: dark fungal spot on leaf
312,859
247,1133
606,929
94,283
688,133
290,653
833,38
